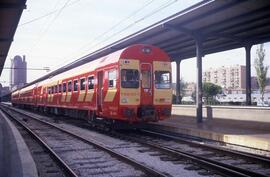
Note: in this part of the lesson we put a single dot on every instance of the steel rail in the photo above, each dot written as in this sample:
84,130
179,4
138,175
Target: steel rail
67,170
148,171
246,155
218,167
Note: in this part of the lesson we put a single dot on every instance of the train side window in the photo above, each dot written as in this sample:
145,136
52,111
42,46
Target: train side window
112,78
59,88
82,84
52,89
90,82
69,86
64,87
75,85
49,90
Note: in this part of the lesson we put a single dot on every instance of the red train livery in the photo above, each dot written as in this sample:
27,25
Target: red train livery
131,85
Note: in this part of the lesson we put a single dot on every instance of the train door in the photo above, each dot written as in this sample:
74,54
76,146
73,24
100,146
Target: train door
99,90
146,84
75,93
36,95
59,93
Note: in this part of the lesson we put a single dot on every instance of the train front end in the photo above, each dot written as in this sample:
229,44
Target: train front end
145,84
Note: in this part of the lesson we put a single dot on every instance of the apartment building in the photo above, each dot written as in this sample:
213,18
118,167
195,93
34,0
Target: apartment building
232,77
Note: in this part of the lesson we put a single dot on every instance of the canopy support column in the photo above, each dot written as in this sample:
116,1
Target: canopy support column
178,90
248,75
199,80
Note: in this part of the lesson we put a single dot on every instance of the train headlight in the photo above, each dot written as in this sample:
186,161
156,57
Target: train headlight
146,50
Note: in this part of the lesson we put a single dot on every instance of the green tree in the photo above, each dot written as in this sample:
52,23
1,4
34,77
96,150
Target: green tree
210,90
261,70
183,85
193,95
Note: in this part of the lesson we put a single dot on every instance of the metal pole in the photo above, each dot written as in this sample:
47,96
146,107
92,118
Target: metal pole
199,80
248,75
178,81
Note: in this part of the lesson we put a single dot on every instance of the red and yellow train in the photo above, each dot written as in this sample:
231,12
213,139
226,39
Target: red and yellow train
130,85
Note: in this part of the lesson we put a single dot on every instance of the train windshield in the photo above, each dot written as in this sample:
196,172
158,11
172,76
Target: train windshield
162,80
129,78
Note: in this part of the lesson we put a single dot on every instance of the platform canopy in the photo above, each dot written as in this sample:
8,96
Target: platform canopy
220,24
10,14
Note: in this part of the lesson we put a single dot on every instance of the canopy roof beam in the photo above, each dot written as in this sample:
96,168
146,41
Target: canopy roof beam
12,5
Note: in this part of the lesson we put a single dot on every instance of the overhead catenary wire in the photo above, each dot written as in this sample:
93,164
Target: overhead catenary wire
49,25
46,15
21,68
113,27
163,6
168,3
120,22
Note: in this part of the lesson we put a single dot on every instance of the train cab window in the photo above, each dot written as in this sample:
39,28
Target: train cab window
112,78
75,85
82,84
129,78
69,86
146,79
90,82
162,80
59,88
64,87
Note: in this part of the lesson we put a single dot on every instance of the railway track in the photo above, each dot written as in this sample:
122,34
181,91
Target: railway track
77,155
210,142
46,165
210,145
207,160
222,161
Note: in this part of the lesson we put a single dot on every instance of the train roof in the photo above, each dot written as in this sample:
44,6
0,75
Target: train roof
130,52
126,53
25,89
90,66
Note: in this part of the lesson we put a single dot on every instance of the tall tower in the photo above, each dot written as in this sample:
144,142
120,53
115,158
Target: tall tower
18,72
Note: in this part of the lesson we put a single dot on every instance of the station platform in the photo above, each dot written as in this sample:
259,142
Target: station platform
246,133
15,157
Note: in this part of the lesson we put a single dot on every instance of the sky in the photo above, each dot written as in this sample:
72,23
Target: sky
53,33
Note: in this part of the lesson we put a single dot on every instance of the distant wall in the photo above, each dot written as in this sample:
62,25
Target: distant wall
258,114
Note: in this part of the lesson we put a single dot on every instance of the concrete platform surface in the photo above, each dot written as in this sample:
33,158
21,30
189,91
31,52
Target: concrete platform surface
15,157
247,133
